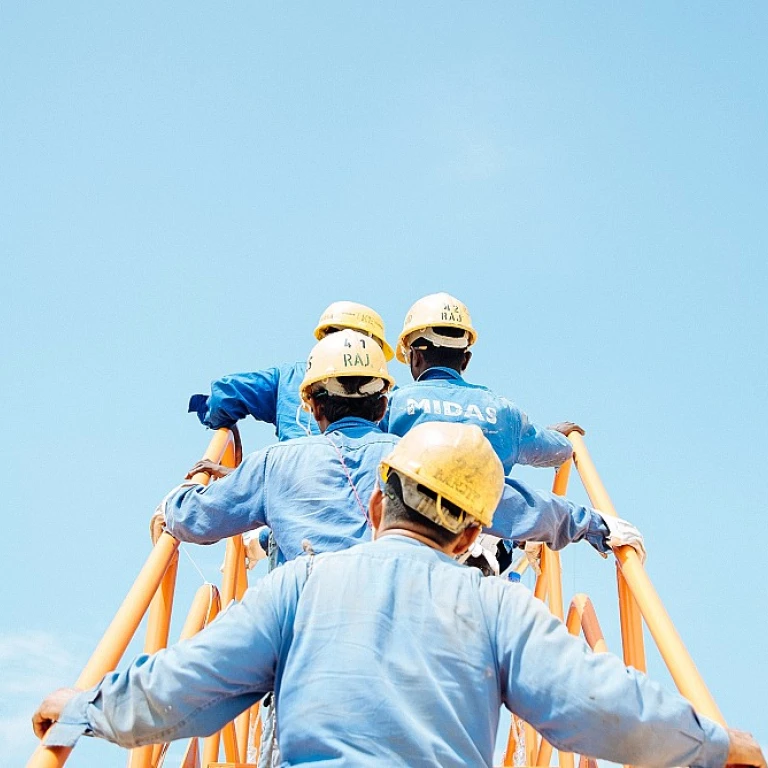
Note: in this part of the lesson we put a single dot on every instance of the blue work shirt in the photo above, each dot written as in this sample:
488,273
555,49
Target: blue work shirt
393,654
442,394
318,488
315,488
271,395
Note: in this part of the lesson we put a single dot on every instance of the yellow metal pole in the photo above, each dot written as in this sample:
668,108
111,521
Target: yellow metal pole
211,749
582,617
234,552
630,619
204,609
159,620
243,720
110,649
118,635
555,590
684,672
231,752
158,627
633,643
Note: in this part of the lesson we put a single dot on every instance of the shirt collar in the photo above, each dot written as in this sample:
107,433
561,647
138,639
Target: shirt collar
438,372
352,422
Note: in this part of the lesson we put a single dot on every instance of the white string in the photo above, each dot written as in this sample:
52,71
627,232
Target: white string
197,568
363,508
308,428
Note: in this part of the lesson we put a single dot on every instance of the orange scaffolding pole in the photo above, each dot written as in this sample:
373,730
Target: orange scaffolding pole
679,662
123,627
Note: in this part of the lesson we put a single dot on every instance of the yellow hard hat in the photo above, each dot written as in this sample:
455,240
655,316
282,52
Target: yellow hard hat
350,314
342,354
438,310
457,464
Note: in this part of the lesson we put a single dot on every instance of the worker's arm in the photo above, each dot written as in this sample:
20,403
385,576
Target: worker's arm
524,514
542,446
239,395
589,703
235,504
191,689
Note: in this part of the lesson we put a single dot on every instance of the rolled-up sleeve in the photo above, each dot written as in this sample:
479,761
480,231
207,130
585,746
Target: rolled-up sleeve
528,515
234,504
239,395
542,447
195,687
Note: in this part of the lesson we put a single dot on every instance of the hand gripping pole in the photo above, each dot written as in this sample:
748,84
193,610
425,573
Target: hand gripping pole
679,662
118,635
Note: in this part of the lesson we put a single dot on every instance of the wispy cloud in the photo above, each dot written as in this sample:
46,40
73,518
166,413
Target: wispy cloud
32,663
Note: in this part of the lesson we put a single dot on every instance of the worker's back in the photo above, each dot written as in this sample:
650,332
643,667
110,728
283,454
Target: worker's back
315,488
391,662
441,394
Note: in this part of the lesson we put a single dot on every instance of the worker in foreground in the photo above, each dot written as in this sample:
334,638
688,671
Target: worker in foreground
272,395
390,653
316,489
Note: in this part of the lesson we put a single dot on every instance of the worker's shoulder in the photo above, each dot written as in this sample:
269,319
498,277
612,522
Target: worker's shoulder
402,550
420,389
333,440
498,594
292,370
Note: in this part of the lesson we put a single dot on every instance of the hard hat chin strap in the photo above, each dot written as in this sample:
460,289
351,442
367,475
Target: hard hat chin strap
438,339
333,386
433,509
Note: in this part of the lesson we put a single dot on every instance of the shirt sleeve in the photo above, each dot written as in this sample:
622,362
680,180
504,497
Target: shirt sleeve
590,703
527,515
197,686
541,447
241,394
234,504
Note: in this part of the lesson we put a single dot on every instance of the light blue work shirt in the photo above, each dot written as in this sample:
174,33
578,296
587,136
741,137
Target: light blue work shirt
442,394
271,395
315,488
318,489
391,653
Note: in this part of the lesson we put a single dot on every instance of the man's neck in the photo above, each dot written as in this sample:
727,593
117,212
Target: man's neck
408,533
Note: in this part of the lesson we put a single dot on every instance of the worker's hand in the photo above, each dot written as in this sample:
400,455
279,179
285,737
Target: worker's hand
622,533
210,468
533,550
566,427
744,750
156,525
50,710
254,552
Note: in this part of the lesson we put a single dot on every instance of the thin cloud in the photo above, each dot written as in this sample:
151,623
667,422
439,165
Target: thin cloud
32,664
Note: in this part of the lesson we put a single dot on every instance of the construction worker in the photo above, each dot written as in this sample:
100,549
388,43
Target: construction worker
272,395
435,341
390,653
312,487
316,488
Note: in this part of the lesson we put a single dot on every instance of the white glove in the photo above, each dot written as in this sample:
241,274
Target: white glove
484,546
622,533
253,549
533,550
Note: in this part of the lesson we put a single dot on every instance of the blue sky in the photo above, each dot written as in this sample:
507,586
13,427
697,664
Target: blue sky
185,187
